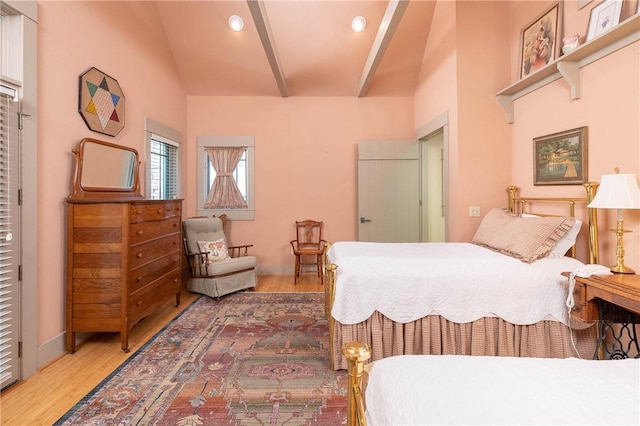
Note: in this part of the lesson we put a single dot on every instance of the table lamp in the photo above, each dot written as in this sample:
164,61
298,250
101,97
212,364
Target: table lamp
618,191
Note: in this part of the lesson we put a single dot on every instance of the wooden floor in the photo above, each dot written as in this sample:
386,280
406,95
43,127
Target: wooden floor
47,395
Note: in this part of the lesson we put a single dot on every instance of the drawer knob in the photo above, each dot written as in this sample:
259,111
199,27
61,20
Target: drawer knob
139,279
139,255
140,232
139,303
159,210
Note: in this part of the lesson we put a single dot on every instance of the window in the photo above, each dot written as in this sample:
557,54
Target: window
239,174
163,165
163,171
242,176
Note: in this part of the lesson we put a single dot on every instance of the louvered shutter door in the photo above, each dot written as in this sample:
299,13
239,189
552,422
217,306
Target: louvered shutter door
9,239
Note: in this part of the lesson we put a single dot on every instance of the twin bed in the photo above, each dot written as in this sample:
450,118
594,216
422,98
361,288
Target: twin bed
450,389
501,295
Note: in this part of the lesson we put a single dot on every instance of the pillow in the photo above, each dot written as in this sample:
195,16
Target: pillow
216,250
526,239
568,241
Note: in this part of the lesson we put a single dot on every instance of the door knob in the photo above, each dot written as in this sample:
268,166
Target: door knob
364,219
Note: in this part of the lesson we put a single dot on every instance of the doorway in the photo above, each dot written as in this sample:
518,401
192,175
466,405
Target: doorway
432,162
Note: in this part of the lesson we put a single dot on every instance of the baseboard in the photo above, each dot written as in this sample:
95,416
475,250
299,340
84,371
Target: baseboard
54,349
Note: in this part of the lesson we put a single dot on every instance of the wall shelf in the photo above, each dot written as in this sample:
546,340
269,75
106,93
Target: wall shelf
568,66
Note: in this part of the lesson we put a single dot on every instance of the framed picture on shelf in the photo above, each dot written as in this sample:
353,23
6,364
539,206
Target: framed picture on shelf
603,17
561,158
540,40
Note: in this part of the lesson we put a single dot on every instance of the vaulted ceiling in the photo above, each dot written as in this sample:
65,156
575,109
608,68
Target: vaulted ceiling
297,47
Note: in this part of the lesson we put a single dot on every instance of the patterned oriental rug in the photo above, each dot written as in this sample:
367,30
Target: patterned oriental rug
249,359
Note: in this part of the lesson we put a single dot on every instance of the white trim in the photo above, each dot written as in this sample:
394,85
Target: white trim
234,214
160,129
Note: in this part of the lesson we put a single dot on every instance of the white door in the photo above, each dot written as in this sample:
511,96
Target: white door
389,191
9,239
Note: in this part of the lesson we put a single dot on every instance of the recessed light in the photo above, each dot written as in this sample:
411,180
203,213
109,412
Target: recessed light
358,24
236,23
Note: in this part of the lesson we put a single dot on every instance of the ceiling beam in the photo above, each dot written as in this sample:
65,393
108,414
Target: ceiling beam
388,26
261,21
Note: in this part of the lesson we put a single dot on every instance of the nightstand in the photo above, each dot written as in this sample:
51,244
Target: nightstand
614,302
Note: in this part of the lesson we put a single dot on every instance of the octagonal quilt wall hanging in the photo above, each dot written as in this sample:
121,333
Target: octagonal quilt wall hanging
101,102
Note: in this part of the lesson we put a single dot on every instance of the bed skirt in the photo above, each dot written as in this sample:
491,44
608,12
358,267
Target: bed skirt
486,336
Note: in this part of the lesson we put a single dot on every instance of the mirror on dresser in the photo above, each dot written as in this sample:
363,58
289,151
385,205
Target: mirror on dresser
104,169
124,252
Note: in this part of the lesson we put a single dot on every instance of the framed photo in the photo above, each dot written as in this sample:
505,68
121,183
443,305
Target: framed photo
603,17
561,158
101,102
540,40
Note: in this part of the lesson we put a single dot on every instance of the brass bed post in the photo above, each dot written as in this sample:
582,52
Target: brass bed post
594,251
513,192
329,295
357,353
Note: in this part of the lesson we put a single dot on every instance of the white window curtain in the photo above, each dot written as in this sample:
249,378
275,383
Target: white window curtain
224,192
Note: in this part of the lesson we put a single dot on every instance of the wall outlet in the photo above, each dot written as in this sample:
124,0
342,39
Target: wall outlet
474,211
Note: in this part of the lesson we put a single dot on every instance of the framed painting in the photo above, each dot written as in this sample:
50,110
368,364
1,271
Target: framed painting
561,158
101,102
540,40
603,17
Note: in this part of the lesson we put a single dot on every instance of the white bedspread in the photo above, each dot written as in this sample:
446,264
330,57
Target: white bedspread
457,389
459,281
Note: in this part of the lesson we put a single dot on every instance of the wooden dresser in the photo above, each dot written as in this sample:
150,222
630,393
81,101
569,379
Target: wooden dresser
123,253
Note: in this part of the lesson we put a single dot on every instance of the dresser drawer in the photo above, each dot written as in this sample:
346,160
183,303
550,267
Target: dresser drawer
141,212
144,253
579,310
144,231
145,274
173,209
145,301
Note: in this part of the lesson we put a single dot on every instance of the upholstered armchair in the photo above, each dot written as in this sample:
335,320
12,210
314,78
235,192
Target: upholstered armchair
216,268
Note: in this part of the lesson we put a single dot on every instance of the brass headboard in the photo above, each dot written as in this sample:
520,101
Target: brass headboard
518,205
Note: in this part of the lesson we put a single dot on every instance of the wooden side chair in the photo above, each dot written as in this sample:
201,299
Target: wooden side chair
308,248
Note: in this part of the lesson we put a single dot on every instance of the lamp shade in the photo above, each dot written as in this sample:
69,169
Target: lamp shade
619,191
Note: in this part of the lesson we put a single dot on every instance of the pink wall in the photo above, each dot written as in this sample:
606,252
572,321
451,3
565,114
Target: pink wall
470,56
609,106
125,41
306,161
465,64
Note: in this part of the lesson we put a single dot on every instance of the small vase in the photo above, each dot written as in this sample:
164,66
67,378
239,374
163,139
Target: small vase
570,43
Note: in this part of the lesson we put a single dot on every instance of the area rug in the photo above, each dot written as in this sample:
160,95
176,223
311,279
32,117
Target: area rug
248,359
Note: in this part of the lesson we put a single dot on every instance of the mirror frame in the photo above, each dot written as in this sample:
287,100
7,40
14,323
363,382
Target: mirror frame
80,192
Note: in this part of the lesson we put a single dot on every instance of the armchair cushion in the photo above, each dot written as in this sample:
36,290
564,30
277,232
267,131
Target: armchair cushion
215,250
231,265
